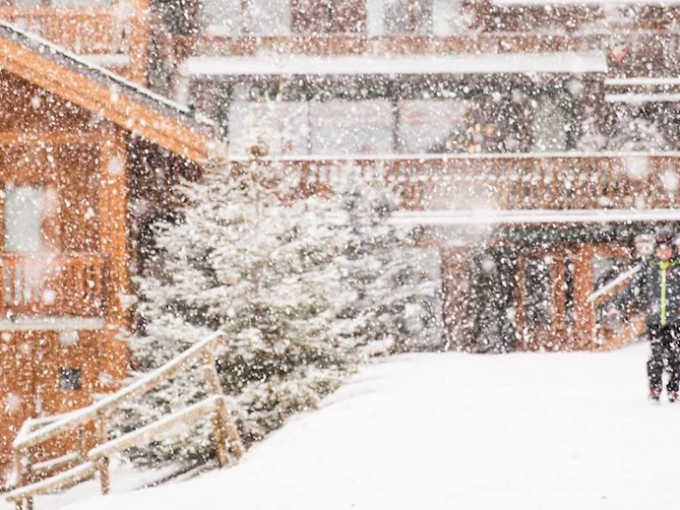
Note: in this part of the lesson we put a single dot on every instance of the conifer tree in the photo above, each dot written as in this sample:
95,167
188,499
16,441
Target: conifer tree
247,260
397,297
305,288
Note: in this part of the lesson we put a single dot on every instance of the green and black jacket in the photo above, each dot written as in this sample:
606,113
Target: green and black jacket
656,291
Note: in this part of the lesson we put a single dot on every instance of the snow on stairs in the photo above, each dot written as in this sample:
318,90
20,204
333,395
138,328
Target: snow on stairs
82,465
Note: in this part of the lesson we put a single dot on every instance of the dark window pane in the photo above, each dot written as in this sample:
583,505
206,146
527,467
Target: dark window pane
69,379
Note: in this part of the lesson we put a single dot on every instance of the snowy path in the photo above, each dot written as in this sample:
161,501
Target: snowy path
523,431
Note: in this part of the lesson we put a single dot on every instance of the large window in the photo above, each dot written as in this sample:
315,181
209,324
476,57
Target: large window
25,208
281,127
427,126
351,127
395,17
243,17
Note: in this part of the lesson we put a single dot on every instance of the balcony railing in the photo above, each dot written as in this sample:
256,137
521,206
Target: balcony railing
508,182
40,285
91,31
353,44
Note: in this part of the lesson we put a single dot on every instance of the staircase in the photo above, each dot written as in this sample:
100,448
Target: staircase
90,459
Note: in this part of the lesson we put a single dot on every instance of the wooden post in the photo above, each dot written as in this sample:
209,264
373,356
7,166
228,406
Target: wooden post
223,423
113,245
456,291
103,463
140,38
82,444
558,279
584,312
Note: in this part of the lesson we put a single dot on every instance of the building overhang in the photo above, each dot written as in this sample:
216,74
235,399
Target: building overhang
533,217
303,65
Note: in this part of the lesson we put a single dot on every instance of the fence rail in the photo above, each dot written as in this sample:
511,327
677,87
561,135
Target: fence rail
94,455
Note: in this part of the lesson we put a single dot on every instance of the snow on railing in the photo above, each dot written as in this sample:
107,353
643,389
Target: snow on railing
225,434
615,284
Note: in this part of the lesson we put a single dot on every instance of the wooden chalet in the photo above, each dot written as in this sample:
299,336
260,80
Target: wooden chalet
455,103
81,152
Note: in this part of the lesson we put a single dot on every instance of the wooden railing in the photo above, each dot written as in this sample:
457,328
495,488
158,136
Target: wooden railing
92,456
46,285
507,182
616,328
87,31
357,44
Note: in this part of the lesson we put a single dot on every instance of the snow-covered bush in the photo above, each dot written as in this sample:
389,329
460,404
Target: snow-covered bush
301,285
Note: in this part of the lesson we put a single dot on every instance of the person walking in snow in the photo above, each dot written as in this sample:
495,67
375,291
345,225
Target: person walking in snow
656,289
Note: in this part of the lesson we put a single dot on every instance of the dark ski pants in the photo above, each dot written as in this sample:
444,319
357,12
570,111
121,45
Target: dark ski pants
665,354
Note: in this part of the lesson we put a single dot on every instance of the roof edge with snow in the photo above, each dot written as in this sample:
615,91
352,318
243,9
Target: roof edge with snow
516,63
533,217
130,106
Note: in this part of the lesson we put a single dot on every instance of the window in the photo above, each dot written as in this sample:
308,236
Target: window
69,379
395,17
328,16
400,16
432,126
243,17
24,215
282,127
351,127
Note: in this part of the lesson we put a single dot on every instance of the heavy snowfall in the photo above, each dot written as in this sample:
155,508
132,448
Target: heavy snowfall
336,254
436,431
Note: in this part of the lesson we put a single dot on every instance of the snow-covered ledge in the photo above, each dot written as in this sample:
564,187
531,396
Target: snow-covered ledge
534,216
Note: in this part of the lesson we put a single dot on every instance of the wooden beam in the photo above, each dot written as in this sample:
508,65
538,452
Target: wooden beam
584,312
49,138
113,220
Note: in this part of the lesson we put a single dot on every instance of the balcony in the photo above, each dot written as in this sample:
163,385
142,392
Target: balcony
618,183
51,286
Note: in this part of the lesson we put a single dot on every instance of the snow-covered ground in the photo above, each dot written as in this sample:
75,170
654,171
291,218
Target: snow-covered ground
521,431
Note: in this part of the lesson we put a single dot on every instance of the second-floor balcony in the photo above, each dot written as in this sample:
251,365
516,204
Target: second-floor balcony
37,285
613,185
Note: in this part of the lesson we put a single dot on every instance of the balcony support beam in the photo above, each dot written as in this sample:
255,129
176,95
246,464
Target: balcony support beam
113,221
113,241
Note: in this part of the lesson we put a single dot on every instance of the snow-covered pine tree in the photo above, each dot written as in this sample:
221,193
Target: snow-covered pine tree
397,298
265,272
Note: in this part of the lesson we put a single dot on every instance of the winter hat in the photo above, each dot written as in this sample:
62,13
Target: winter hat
665,236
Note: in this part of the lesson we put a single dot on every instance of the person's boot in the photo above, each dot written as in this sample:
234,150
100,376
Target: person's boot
654,395
672,396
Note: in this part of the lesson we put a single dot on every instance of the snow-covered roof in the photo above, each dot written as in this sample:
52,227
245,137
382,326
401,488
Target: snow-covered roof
88,66
527,217
641,98
580,3
642,81
519,63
